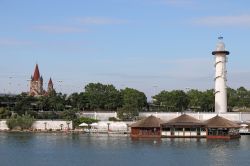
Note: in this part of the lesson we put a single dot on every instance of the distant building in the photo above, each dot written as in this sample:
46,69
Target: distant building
50,86
36,84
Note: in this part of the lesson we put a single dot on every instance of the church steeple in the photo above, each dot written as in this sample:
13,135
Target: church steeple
36,83
50,86
36,75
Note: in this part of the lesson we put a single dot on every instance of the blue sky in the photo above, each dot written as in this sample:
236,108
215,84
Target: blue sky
149,45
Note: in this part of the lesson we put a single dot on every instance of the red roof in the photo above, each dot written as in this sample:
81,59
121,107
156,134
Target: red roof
36,75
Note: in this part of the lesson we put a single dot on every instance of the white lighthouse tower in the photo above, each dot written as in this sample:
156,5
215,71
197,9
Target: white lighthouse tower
220,89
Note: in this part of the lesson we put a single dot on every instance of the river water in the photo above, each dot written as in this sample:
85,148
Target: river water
46,149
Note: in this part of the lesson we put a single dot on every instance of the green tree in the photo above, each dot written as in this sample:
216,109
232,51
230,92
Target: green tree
133,101
23,122
194,97
177,100
201,101
52,102
69,114
244,97
102,96
4,113
78,101
207,101
232,98
24,103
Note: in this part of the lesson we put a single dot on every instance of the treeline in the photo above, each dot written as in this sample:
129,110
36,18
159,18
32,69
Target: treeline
127,102
200,101
96,97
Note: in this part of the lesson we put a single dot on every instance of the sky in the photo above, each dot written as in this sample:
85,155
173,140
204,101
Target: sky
149,45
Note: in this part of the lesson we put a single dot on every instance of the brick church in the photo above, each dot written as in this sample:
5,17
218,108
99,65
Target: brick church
36,84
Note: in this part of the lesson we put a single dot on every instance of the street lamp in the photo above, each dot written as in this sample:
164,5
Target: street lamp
61,125
68,125
45,125
108,126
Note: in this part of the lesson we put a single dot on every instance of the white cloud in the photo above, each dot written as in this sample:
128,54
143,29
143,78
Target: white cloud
100,20
59,29
13,42
240,20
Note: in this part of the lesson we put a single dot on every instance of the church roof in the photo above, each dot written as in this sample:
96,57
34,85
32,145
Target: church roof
36,75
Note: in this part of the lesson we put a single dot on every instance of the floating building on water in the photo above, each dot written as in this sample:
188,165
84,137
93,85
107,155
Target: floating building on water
185,126
221,128
149,127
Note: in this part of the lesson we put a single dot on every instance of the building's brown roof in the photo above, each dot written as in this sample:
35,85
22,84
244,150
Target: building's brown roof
220,122
150,121
36,75
183,120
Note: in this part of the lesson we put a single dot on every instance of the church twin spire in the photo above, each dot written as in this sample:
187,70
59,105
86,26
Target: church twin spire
36,84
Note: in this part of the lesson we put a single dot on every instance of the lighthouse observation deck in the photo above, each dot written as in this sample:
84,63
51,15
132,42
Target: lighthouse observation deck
220,48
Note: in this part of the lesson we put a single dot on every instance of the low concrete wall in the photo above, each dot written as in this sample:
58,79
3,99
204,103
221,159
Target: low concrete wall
52,124
44,124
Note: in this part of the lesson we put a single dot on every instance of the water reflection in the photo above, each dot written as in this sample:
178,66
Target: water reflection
221,151
62,149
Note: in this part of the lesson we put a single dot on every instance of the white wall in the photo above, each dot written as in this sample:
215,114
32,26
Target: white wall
3,125
113,126
40,124
52,124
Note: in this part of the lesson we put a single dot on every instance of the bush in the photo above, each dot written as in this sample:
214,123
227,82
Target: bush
113,119
23,122
4,113
68,114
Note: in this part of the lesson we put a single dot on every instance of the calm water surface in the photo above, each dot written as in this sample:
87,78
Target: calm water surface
26,149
